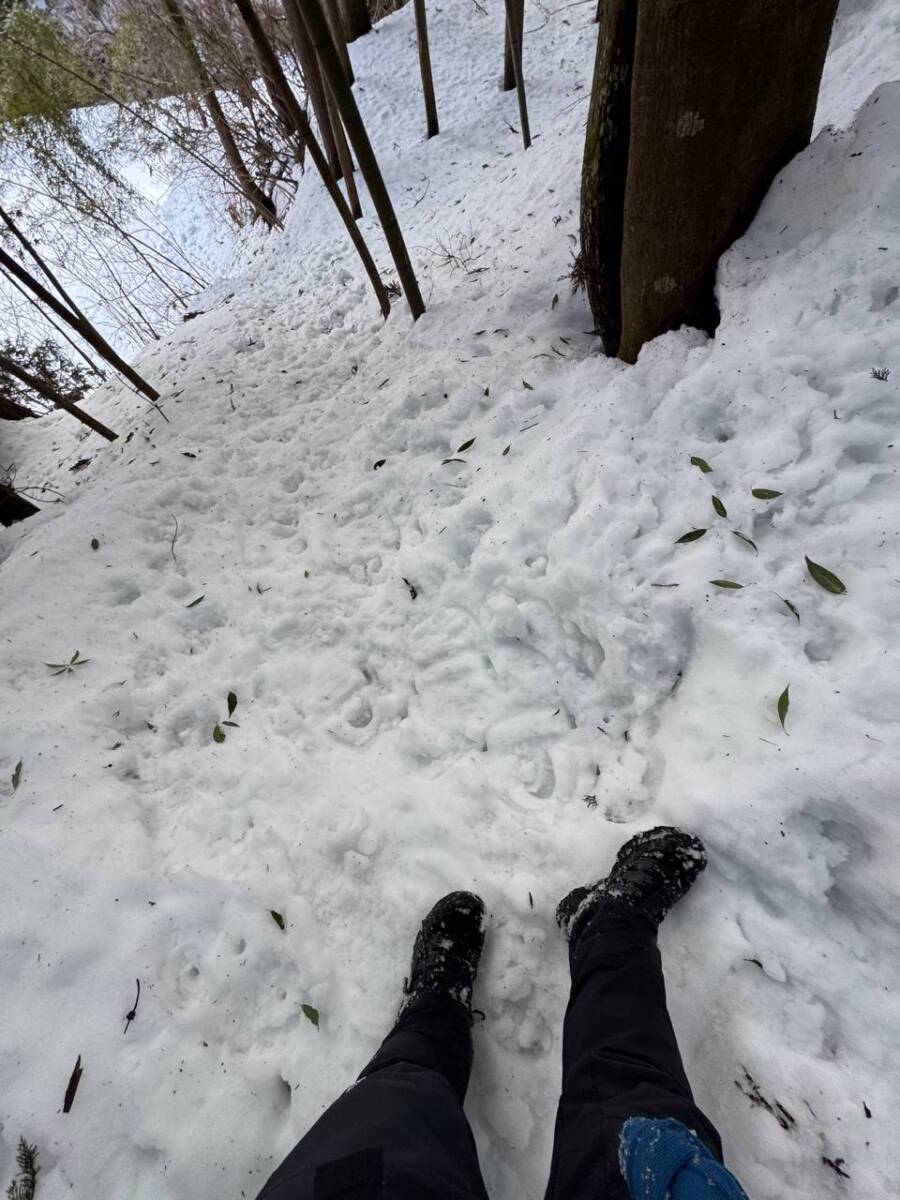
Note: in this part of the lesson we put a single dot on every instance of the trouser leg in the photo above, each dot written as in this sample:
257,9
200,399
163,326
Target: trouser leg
620,1057
400,1130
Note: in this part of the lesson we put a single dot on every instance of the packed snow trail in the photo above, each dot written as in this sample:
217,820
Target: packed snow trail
478,673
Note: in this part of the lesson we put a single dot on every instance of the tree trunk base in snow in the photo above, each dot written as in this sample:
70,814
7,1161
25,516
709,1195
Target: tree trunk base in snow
696,107
357,21
14,507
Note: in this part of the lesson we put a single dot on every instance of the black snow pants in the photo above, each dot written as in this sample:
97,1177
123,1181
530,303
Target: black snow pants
399,1133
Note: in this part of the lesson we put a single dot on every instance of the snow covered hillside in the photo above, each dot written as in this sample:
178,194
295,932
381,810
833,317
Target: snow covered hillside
439,567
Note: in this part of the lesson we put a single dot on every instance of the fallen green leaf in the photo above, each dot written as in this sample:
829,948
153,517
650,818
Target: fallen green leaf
719,507
527,386
450,460
790,606
17,775
506,451
701,463
466,445
691,536
95,545
311,1014
232,703
194,603
824,578
750,542
277,918
218,734
725,583
765,493
784,703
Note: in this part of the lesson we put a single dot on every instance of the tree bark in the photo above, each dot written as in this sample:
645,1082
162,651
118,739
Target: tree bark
337,36
357,21
336,25
514,18
14,507
509,68
343,153
317,25
431,117
56,398
271,69
81,325
246,183
604,169
697,109
315,89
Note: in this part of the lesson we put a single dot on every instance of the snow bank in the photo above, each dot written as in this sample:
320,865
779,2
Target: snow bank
482,673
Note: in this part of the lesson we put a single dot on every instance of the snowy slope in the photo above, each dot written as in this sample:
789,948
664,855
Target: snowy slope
564,675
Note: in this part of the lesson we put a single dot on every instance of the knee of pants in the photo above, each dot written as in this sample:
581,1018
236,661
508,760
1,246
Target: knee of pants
401,1128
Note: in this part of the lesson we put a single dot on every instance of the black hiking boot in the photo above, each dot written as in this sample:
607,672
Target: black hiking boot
447,951
652,871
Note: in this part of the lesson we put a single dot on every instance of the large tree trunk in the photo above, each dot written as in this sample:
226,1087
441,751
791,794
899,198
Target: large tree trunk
14,507
329,119
80,324
247,184
343,150
315,89
722,96
54,397
431,117
509,66
336,25
357,21
514,18
281,90
317,25
604,168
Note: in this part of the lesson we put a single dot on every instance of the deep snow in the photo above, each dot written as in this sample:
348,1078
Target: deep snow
564,675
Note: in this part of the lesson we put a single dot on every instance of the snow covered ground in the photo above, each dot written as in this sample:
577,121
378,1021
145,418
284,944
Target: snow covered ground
483,673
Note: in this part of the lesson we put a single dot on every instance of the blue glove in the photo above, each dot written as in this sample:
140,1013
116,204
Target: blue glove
664,1160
